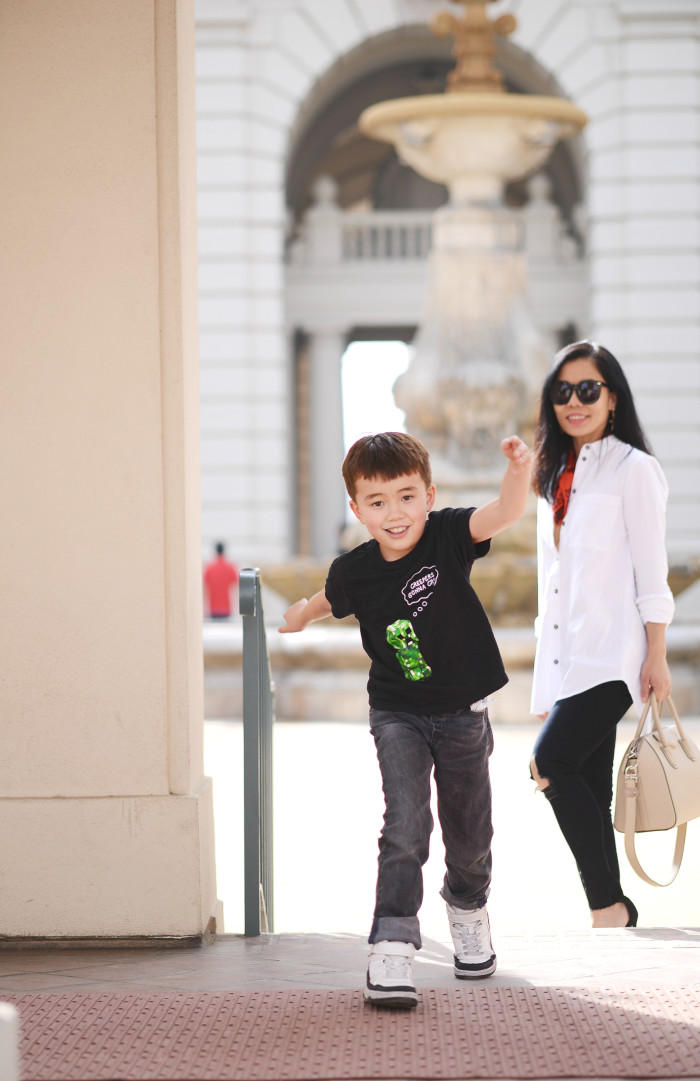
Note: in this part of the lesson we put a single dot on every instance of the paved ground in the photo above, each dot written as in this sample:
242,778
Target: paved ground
643,957
328,811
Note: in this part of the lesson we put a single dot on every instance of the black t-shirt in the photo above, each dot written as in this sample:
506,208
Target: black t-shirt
423,627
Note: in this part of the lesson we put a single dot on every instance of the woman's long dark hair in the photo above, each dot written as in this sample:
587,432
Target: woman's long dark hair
552,444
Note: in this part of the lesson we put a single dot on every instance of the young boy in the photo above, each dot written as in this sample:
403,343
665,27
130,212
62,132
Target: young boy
434,660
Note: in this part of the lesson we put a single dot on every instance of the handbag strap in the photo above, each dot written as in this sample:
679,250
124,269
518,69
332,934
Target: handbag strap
630,812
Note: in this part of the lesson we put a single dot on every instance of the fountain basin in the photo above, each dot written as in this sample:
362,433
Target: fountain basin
471,141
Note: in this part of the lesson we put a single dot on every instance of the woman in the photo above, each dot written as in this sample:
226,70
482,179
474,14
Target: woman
604,602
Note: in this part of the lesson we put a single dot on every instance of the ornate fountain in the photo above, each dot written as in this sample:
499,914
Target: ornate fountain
478,361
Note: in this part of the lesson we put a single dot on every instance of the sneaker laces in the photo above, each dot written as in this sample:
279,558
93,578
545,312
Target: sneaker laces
473,937
395,965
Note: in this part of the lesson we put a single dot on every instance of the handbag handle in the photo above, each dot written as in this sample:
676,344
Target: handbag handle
631,791
653,704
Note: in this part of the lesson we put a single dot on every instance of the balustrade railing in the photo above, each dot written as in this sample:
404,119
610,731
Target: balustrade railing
343,237
393,235
258,718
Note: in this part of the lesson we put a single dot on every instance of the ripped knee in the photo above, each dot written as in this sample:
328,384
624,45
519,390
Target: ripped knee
543,783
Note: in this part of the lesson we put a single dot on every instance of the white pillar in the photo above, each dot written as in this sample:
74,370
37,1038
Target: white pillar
107,817
9,1042
328,497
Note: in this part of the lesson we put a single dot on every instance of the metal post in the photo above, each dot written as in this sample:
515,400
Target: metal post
258,716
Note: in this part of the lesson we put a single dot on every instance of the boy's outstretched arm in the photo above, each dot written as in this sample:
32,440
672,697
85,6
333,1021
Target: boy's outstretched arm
304,612
509,505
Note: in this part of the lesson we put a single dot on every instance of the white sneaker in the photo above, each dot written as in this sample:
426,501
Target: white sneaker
471,935
390,975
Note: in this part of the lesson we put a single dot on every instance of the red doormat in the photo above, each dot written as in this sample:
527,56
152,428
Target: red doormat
502,1032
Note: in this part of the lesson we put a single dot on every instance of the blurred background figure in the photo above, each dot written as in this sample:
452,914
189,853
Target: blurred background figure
220,581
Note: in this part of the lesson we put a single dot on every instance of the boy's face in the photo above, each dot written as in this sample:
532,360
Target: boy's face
394,511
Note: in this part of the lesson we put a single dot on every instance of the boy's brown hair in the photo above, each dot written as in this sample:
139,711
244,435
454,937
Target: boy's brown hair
387,455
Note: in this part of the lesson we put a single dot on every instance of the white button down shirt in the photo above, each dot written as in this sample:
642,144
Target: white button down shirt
607,578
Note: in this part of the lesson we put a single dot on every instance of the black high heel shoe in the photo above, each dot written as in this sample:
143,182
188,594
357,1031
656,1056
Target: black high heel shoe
633,914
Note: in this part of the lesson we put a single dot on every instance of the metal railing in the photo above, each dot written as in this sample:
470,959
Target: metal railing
258,717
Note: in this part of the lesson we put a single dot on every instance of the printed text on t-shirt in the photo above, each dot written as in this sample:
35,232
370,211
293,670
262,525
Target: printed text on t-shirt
419,589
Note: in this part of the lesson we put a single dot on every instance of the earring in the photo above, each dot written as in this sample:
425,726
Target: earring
611,421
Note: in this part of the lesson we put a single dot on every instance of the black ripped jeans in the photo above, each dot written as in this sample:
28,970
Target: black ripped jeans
574,751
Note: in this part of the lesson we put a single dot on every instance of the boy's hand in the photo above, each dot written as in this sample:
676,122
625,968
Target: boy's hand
304,612
518,454
509,505
293,618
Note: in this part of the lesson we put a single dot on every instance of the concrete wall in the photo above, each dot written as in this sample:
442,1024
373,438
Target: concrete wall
107,818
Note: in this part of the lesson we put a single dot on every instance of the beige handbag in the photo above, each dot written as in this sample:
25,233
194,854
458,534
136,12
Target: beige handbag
658,784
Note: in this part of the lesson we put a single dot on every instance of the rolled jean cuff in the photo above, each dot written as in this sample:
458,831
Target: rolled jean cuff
471,905
396,929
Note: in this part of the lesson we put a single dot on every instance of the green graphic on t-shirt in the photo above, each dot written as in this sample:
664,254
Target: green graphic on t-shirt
402,637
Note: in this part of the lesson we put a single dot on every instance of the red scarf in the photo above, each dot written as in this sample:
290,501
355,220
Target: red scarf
563,489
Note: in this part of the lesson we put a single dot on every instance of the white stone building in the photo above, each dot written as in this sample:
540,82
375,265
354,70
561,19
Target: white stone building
291,270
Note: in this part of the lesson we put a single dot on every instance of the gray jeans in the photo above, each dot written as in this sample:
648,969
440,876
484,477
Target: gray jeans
457,747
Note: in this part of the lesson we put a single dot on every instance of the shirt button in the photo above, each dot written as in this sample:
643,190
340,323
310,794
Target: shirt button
556,590
584,458
556,662
556,626
573,491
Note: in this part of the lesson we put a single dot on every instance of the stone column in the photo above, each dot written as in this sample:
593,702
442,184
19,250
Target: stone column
107,817
644,208
328,496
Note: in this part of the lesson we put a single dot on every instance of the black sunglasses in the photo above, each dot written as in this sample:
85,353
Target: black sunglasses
587,391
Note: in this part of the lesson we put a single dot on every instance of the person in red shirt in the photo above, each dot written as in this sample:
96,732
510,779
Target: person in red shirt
220,578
